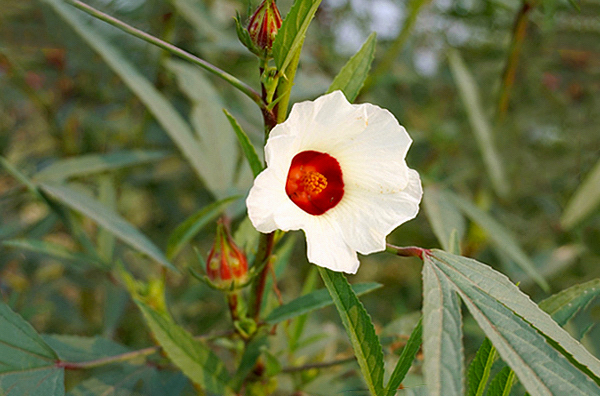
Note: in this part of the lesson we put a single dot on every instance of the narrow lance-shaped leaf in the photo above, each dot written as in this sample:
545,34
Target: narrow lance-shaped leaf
480,368
359,328
564,305
108,219
479,122
194,358
247,147
500,236
442,335
502,383
406,359
27,364
353,75
503,313
290,36
312,301
95,163
443,215
585,200
50,249
193,224
166,115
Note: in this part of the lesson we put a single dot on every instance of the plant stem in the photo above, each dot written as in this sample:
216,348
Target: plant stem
318,365
243,87
510,70
124,356
262,261
408,251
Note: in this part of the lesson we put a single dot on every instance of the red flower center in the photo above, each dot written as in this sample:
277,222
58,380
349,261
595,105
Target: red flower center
314,182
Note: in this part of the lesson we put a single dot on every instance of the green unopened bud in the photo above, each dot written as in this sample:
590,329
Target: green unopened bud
226,265
263,26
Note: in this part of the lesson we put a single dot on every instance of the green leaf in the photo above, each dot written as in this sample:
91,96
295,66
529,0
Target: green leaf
469,93
193,224
194,358
218,148
443,216
247,147
564,305
50,249
406,359
584,201
167,116
500,237
442,335
18,175
312,301
351,78
480,368
95,163
290,36
359,328
27,363
251,354
502,383
510,319
108,219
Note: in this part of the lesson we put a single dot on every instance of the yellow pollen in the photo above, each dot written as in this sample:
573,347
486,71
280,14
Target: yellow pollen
314,182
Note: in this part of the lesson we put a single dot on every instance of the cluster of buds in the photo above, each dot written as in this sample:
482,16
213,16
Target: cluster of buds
226,266
262,29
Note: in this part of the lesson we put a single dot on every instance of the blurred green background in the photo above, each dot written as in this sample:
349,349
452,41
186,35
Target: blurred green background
535,66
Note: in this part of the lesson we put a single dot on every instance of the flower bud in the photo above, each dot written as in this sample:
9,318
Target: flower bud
226,265
264,24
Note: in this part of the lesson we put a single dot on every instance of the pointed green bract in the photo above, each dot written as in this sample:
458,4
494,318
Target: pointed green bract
359,328
193,224
290,36
443,365
194,358
247,147
95,163
351,78
27,363
108,219
406,359
510,319
312,301
500,237
480,368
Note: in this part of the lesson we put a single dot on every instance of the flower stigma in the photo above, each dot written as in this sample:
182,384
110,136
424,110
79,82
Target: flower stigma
314,182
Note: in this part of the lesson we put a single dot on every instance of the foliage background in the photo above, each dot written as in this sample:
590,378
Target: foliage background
58,99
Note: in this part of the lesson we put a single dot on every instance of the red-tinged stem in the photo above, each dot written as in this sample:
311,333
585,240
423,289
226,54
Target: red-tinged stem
262,261
408,251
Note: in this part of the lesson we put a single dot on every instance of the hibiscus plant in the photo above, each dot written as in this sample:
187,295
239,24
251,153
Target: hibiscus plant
333,169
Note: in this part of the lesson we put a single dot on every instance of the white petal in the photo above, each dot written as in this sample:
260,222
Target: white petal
267,194
366,218
326,247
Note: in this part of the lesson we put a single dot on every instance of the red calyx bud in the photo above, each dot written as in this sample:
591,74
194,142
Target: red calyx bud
264,24
226,265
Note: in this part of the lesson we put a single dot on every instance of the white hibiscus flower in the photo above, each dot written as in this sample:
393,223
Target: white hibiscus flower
338,172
